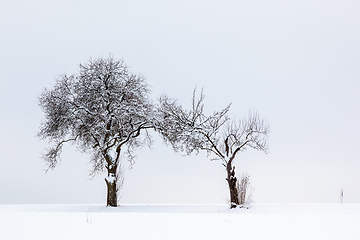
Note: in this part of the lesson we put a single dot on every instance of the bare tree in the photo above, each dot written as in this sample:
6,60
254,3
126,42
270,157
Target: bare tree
243,188
103,109
193,131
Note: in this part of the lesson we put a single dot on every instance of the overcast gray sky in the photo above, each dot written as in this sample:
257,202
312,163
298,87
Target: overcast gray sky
296,62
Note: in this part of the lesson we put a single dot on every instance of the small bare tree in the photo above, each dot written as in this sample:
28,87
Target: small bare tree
103,109
193,131
244,190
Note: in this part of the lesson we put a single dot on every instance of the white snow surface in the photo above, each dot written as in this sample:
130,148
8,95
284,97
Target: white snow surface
287,221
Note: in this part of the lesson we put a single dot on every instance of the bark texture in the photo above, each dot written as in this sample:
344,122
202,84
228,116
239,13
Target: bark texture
231,179
112,189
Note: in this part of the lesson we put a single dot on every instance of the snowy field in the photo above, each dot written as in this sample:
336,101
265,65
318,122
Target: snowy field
44,222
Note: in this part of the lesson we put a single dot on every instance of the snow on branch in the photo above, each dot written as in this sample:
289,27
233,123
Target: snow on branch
102,108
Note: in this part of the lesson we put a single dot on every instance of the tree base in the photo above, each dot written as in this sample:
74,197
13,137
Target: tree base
111,192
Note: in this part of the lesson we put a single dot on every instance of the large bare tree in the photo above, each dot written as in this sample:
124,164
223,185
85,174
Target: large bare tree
105,110
193,131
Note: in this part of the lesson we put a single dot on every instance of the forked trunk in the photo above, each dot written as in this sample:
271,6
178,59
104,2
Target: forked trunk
231,179
111,184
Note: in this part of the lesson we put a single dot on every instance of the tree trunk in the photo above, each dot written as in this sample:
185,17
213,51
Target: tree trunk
231,179
111,184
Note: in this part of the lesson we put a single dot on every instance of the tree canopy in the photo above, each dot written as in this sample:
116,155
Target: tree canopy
103,109
222,138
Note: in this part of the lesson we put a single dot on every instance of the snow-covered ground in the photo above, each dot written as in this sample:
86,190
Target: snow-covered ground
44,222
